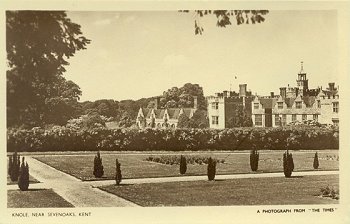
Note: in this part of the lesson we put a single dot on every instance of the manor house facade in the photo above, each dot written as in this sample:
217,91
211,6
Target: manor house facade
297,104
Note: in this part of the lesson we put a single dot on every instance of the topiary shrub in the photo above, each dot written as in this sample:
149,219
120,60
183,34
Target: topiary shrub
118,172
316,163
211,169
254,160
10,166
15,167
288,164
98,167
183,165
23,179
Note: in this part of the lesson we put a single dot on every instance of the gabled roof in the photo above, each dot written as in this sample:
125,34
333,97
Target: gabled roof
268,102
174,113
309,100
289,101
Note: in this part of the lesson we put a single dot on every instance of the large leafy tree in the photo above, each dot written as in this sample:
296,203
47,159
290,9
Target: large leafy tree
38,44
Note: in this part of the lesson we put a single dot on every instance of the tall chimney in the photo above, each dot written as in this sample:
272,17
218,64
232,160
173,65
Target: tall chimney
272,94
195,102
283,92
242,89
331,85
156,103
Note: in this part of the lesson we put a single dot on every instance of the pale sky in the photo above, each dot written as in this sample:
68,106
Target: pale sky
140,54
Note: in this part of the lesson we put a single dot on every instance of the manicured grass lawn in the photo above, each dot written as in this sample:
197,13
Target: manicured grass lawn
134,165
250,191
35,198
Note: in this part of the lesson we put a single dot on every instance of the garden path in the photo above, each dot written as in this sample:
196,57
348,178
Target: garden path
295,174
78,193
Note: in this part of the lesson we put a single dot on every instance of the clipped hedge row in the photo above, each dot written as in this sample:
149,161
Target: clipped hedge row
66,139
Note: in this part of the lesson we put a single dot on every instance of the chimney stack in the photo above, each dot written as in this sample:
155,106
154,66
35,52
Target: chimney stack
156,101
195,102
242,90
272,94
331,85
283,92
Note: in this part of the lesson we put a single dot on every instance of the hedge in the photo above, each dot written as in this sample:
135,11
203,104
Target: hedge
67,139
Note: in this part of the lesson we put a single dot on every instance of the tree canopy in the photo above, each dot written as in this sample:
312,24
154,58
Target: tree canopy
38,44
224,17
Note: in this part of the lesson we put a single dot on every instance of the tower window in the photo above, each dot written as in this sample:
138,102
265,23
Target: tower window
215,120
215,106
298,105
335,107
258,119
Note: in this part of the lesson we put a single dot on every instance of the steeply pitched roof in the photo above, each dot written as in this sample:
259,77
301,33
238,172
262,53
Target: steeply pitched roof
289,101
174,113
268,102
309,100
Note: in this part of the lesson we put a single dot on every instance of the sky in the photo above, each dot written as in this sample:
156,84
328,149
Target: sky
137,54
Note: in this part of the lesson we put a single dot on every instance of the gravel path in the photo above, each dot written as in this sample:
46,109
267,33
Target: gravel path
78,193
217,177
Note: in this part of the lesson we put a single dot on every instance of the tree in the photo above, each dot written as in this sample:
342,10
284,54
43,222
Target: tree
254,160
224,17
23,179
211,169
38,44
15,167
118,172
199,119
288,164
98,167
183,165
183,121
316,163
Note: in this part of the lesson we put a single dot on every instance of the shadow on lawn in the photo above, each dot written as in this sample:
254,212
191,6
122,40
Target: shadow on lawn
296,177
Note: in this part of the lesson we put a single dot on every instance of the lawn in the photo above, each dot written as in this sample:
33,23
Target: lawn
32,180
250,191
35,198
134,165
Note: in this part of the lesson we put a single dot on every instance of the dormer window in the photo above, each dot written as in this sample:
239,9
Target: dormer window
298,105
280,105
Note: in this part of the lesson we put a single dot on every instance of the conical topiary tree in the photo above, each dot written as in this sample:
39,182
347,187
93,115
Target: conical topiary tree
16,163
183,165
211,169
316,163
254,160
118,172
10,166
98,167
23,179
288,164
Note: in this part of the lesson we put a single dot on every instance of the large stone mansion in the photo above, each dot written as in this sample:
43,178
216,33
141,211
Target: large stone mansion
293,104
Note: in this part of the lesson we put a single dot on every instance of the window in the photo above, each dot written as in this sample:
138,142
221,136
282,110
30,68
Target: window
256,105
319,103
215,106
304,117
335,122
277,120
280,105
294,117
258,119
335,107
298,105
215,120
284,119
315,117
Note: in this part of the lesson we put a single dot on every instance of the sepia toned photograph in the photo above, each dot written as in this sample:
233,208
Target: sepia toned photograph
172,108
